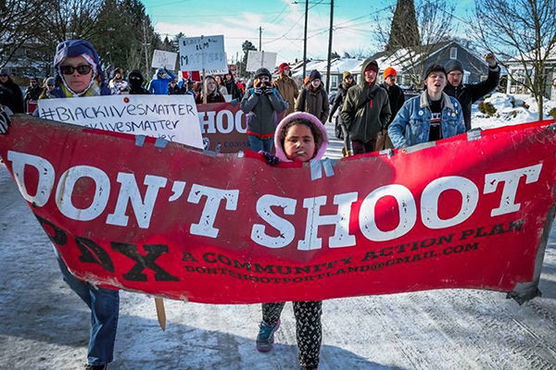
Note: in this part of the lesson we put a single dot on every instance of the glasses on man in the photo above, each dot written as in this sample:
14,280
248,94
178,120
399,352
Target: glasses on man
82,69
3,75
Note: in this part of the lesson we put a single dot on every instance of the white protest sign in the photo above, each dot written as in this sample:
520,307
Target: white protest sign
171,117
164,59
260,59
205,52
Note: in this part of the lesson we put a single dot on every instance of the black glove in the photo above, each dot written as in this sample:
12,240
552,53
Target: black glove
270,158
269,91
5,114
258,91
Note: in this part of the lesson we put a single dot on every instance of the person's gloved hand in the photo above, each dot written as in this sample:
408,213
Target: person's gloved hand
269,91
5,114
258,91
270,158
491,60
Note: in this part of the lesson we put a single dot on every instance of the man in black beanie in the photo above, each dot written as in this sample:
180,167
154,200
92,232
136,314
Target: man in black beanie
469,93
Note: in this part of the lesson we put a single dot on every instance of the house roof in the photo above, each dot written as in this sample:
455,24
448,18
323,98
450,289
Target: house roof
337,66
530,56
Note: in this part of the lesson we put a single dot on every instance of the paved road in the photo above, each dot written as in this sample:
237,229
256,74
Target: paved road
43,325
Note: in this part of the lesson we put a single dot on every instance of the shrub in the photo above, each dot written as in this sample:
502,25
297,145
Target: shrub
487,108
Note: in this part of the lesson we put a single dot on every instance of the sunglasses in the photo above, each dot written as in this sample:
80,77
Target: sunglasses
2,75
81,69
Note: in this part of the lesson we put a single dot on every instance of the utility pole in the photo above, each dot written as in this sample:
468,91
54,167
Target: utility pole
145,45
329,46
305,39
260,38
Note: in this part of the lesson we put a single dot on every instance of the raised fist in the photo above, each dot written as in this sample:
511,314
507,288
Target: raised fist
491,60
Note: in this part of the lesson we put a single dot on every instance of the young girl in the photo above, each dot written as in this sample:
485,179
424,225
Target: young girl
299,137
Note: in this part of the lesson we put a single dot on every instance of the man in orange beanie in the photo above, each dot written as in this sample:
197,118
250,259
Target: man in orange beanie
396,98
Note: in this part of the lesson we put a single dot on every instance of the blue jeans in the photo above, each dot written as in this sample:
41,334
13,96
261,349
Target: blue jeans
258,143
104,305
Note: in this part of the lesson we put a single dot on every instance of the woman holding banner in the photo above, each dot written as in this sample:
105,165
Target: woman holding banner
78,73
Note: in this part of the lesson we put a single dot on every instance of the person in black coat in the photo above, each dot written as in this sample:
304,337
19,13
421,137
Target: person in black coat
10,93
396,98
231,86
33,92
469,93
341,130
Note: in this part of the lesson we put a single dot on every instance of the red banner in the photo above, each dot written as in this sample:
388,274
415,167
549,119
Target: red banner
223,127
467,212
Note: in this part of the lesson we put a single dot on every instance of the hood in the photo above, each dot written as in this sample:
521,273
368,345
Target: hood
74,48
364,66
293,116
135,78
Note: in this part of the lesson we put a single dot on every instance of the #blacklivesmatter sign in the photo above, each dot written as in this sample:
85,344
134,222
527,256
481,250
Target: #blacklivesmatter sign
179,223
170,117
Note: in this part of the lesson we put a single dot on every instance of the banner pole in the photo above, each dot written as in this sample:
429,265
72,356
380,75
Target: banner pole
160,312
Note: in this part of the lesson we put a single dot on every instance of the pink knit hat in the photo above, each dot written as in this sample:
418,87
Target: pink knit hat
312,120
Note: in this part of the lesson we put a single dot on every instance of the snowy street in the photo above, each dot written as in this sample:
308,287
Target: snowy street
44,325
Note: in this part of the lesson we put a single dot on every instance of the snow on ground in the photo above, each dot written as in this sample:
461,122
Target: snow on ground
510,110
43,324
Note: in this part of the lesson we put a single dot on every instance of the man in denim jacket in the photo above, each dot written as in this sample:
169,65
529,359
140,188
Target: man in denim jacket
429,117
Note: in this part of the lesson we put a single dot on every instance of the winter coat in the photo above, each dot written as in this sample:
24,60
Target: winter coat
340,96
118,86
412,123
366,109
177,90
159,86
287,87
233,89
469,93
396,98
262,111
32,93
314,102
11,96
216,97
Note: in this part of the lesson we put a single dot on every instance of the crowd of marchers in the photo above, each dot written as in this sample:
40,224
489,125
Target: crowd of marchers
369,117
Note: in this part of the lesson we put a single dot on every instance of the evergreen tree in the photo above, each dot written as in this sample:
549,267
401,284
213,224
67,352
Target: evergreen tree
246,46
404,31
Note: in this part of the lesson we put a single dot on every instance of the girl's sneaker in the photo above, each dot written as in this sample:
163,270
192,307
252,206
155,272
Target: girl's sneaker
266,336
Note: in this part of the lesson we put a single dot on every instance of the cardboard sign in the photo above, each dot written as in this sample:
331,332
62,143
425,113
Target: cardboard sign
224,127
261,59
184,224
202,53
171,117
164,59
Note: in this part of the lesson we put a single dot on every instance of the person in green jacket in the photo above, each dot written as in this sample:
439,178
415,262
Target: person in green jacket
366,110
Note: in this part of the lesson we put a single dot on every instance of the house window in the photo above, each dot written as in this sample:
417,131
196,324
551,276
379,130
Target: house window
453,53
334,82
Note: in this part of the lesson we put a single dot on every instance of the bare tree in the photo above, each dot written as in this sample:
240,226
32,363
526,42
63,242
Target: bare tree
18,24
69,19
525,28
434,21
